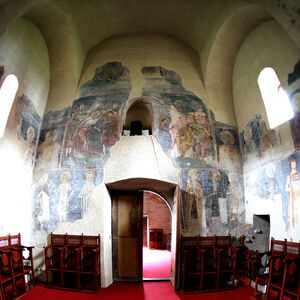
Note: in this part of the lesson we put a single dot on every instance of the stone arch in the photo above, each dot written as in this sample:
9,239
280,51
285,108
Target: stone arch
140,109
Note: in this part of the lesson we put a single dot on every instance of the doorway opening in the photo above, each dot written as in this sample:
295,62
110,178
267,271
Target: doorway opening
261,225
157,232
127,226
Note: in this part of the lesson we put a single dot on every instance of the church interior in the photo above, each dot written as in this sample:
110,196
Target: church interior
169,125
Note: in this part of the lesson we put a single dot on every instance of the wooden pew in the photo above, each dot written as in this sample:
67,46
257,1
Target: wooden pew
13,265
74,261
208,263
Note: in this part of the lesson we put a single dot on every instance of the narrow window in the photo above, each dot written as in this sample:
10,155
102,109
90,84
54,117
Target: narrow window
277,103
8,92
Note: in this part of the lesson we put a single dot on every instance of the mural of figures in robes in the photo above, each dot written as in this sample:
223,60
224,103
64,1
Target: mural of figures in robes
42,203
87,190
29,156
228,149
235,199
189,132
260,145
94,128
217,200
293,189
64,191
194,200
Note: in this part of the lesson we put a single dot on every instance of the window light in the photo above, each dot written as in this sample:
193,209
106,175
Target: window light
8,92
277,103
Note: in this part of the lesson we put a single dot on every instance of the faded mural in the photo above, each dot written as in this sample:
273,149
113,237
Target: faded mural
295,101
271,180
260,145
75,143
207,151
27,124
275,187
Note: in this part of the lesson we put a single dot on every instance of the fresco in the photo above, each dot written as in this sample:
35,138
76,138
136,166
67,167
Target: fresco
94,125
63,196
108,78
275,187
51,139
295,122
212,201
228,148
184,121
260,145
74,142
27,123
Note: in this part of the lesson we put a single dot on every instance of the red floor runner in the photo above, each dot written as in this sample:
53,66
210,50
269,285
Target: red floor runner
156,263
142,291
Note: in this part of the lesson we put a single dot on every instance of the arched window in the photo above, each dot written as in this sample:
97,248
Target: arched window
277,103
8,92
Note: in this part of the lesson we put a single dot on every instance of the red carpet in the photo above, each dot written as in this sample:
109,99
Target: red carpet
156,263
142,291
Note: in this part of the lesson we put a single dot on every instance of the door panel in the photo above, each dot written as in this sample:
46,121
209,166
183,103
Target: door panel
127,223
175,239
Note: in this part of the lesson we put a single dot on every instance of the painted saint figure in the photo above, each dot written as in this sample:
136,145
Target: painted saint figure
43,201
87,190
229,155
64,191
218,201
194,200
29,154
293,189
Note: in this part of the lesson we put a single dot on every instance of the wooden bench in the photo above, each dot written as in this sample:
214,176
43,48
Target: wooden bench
209,263
74,261
16,262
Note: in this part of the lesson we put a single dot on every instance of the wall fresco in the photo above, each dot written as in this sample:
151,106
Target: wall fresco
184,121
63,196
260,145
27,123
213,201
228,148
74,142
295,102
92,130
274,189
51,139
108,78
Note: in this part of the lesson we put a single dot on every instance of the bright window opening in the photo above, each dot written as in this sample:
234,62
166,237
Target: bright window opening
8,92
277,103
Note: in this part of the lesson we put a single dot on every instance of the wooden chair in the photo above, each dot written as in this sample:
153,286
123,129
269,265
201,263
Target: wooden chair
6,274
54,257
291,281
90,261
276,274
261,263
74,253
15,243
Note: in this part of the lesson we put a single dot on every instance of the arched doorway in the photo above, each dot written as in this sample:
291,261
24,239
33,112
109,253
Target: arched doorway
157,233
127,219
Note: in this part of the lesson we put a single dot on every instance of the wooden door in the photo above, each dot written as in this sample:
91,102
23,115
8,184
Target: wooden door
127,224
175,239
